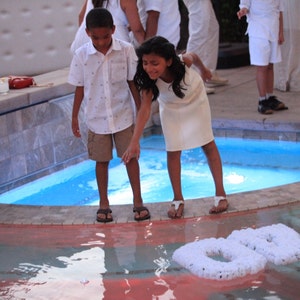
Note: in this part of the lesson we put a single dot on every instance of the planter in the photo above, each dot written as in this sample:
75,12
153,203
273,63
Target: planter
233,55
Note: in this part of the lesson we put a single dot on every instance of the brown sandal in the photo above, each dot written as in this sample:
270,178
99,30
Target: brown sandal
139,210
104,211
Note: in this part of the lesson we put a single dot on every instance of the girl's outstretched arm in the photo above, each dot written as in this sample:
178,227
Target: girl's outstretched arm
143,115
135,94
192,58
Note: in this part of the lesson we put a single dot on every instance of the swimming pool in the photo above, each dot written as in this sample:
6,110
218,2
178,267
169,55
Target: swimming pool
248,165
134,260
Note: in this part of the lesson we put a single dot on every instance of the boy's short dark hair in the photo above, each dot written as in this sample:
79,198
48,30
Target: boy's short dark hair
99,17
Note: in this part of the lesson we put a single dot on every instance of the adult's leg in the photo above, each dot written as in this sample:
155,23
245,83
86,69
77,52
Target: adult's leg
214,161
174,169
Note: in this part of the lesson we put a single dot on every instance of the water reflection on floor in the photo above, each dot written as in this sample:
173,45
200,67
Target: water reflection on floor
134,260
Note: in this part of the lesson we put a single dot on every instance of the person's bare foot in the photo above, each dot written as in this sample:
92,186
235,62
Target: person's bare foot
221,205
176,209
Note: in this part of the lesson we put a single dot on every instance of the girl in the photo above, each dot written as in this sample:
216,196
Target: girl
184,112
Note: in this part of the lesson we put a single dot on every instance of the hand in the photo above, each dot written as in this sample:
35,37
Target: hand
133,151
281,39
206,74
242,12
75,128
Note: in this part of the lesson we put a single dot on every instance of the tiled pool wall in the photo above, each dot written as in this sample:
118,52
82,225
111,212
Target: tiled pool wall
256,130
37,140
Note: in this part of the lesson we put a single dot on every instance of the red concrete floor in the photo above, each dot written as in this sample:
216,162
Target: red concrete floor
134,260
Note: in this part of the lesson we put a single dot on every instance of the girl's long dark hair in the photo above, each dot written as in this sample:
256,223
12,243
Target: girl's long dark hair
161,47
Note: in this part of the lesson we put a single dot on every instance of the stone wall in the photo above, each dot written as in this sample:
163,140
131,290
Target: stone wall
36,141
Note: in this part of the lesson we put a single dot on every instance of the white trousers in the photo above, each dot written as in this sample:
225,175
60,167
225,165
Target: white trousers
287,72
203,32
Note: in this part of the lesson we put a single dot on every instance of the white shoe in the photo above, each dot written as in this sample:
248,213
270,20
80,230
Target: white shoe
216,80
209,90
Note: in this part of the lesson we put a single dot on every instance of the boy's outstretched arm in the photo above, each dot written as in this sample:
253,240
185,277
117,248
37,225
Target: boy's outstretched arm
78,97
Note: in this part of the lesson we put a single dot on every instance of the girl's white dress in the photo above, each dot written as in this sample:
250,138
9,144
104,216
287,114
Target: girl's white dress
186,122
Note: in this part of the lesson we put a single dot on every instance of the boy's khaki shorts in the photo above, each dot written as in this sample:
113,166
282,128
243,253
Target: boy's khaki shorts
100,146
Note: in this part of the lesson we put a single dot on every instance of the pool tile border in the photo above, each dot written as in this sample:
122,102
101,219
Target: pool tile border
194,208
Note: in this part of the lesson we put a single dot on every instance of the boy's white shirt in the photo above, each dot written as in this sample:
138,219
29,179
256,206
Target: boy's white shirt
109,106
263,17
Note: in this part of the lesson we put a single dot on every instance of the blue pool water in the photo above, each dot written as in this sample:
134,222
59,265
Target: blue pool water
247,165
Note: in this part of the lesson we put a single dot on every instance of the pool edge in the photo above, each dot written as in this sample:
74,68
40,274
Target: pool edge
85,215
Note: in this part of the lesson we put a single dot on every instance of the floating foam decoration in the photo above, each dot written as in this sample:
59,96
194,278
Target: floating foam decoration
279,243
198,258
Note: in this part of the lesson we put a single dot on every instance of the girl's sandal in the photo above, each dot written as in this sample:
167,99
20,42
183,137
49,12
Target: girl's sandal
176,209
221,205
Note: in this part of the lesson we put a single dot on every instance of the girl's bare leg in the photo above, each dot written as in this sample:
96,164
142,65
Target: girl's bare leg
215,165
174,169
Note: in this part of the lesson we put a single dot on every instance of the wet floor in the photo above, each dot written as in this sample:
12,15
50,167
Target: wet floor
134,260
61,253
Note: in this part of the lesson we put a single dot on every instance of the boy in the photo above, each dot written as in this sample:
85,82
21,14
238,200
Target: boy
102,71
265,30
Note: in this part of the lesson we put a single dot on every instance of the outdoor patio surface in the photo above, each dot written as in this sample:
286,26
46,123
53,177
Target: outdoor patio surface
234,113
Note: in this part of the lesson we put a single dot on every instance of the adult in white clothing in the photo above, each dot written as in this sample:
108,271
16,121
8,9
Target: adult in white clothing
204,36
160,17
287,72
125,15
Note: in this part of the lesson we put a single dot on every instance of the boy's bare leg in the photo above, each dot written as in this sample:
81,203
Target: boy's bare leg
270,79
215,165
102,182
262,80
174,169
133,171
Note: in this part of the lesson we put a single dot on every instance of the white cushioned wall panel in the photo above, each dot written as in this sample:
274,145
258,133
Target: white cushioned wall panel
35,35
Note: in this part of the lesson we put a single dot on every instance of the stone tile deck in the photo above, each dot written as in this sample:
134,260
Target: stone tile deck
234,112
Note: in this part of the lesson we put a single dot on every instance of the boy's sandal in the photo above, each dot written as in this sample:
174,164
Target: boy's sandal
104,211
175,205
216,209
139,210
